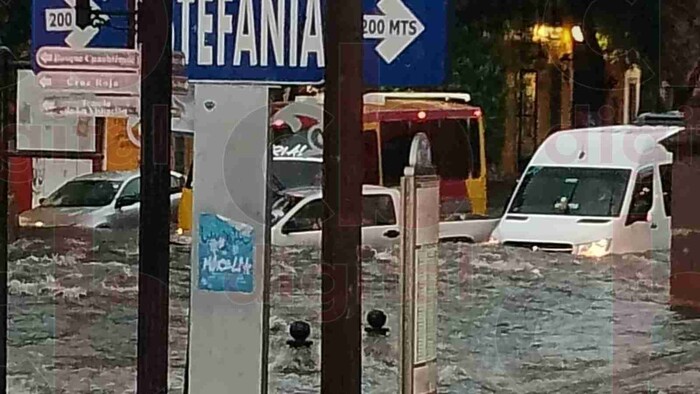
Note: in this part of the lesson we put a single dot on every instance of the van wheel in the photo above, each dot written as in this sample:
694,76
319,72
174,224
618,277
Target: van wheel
465,240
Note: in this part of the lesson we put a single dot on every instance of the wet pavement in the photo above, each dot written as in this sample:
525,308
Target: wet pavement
510,321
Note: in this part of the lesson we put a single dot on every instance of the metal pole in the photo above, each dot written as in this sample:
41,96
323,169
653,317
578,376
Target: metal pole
407,284
6,84
341,342
154,230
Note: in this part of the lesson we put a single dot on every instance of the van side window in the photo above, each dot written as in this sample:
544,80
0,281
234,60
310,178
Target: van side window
666,186
308,218
642,197
378,210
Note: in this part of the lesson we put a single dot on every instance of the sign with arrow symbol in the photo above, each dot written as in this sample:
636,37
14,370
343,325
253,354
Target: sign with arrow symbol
282,41
53,25
396,29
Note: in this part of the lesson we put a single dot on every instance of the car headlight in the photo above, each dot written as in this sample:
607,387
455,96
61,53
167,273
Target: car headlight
27,222
493,240
24,221
594,249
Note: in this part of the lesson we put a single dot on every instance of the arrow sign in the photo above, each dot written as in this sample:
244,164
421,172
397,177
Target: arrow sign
101,106
396,29
84,82
282,41
54,25
80,38
91,59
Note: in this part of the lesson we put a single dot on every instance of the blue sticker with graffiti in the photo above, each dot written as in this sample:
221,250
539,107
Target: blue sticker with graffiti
226,255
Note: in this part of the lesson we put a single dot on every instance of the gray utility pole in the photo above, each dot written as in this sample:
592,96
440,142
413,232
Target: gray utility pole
155,18
341,341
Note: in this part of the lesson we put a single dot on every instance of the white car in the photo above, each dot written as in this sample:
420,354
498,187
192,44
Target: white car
297,220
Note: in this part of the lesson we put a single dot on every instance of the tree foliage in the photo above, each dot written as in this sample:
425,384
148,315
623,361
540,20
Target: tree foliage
15,22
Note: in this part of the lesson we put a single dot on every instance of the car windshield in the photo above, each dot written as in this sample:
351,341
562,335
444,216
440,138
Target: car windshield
571,191
282,206
84,193
297,173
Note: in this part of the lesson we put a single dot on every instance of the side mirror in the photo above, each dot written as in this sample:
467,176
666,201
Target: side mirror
125,201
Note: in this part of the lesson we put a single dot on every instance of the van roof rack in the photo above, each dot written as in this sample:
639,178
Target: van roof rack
671,118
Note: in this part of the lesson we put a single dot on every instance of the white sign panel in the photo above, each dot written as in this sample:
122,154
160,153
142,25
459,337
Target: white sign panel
37,130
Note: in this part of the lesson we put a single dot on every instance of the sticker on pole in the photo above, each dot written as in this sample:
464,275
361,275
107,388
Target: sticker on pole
226,255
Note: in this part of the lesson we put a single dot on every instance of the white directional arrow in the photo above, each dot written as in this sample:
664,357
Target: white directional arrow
396,29
45,82
80,38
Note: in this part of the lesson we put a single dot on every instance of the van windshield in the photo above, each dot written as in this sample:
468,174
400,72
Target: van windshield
575,191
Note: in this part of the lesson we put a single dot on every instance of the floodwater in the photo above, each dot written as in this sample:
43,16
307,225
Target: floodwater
510,321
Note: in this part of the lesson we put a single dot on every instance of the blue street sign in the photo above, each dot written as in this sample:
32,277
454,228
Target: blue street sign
282,41
53,24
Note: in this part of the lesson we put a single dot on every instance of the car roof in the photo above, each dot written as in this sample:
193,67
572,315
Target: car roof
108,176
115,176
315,191
611,146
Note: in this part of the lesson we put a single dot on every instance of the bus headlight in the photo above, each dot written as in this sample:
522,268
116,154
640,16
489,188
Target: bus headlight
594,249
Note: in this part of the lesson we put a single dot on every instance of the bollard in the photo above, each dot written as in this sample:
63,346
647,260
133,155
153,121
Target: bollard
300,331
376,320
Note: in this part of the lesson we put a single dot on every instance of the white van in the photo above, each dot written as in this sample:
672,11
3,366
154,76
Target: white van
594,192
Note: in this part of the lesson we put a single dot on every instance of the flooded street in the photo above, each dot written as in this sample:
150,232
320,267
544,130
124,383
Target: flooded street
509,321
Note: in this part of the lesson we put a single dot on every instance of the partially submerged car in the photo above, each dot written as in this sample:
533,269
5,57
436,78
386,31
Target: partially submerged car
594,192
103,200
297,218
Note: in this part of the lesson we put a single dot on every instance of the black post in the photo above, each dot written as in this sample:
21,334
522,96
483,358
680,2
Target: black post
341,339
131,6
154,230
6,85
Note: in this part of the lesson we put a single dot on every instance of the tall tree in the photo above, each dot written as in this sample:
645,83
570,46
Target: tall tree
680,46
15,26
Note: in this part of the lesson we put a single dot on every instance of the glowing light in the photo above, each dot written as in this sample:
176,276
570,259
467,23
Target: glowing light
422,115
39,224
595,249
279,123
478,113
577,33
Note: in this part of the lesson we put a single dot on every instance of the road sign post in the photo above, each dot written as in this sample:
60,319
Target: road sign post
420,194
341,340
154,229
